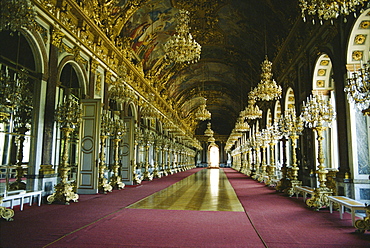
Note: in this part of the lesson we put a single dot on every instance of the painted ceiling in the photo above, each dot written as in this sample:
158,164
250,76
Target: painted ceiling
235,37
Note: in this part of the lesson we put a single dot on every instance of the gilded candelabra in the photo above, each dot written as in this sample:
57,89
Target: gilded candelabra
105,131
137,140
148,139
318,114
6,213
264,143
16,105
272,133
118,131
292,127
156,173
257,139
68,114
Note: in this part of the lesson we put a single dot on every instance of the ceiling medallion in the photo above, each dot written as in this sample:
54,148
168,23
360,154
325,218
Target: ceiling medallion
16,14
329,9
181,47
267,89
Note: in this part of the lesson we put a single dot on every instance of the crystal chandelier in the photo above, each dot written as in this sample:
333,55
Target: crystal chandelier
181,47
358,88
208,132
202,113
16,14
252,111
241,126
329,9
267,89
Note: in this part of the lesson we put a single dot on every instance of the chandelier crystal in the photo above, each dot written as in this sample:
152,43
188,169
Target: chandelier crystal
16,14
329,9
267,89
241,126
181,47
202,113
252,111
358,88
208,132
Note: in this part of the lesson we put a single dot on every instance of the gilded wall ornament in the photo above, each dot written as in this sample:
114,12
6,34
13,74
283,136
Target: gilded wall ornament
357,55
365,25
360,39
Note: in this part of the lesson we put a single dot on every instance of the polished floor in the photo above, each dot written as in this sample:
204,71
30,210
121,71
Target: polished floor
206,190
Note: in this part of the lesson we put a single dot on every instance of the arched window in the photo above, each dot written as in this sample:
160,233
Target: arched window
358,52
323,84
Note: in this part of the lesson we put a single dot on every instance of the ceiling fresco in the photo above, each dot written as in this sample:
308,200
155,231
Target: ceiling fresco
235,37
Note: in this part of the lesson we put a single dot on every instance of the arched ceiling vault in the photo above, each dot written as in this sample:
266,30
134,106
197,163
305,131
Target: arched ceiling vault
235,36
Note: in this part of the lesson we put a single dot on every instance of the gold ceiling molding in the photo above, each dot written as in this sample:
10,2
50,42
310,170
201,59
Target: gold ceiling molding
204,19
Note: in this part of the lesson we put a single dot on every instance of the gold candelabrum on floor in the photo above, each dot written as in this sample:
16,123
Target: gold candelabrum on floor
137,142
148,142
105,131
318,114
272,134
68,114
16,105
118,131
257,161
264,142
292,127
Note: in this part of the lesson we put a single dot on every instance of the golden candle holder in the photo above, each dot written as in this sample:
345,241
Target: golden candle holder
272,133
118,130
318,114
292,127
264,143
105,132
148,142
68,114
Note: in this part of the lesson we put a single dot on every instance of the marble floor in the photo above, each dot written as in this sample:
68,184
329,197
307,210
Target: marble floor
206,190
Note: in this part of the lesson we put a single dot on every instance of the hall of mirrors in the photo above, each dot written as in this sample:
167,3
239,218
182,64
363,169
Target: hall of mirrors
84,110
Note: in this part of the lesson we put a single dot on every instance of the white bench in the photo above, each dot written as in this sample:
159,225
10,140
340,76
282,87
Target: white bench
21,195
304,190
343,201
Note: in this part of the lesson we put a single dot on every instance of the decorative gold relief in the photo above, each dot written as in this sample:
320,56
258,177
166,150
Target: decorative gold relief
357,55
94,66
360,39
6,213
321,72
324,62
56,38
98,84
365,24
320,83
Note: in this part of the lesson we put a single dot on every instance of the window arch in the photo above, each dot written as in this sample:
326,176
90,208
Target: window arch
358,51
323,84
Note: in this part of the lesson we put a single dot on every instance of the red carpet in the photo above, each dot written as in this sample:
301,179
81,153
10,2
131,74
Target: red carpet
287,222
270,220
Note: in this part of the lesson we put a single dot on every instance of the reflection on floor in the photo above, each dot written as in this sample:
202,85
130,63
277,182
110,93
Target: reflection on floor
206,190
